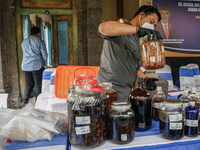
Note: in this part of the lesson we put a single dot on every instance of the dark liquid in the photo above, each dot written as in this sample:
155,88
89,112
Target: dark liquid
155,111
169,133
142,109
119,127
89,140
111,97
191,131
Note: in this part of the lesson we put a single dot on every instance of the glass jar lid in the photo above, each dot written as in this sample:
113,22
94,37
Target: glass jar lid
174,103
120,105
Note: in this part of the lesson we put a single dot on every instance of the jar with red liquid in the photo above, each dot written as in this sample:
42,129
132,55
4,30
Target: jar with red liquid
157,103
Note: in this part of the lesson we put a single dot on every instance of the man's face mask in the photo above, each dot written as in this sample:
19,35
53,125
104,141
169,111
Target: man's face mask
146,24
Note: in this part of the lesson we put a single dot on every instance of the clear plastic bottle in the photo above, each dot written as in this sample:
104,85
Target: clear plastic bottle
153,54
191,120
184,99
172,119
121,122
141,104
157,103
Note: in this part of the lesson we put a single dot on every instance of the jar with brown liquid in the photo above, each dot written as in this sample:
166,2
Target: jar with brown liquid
110,95
157,103
172,119
85,114
121,122
141,104
153,53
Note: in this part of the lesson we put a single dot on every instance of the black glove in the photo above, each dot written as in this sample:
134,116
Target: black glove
143,31
151,85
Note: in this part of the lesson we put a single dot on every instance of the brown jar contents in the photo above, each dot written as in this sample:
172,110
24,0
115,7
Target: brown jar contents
153,54
157,102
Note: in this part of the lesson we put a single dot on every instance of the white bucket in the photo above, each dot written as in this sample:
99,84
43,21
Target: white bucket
3,100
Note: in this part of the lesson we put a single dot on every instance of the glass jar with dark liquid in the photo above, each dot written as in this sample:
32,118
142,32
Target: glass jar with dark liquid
172,119
85,114
110,95
121,122
141,104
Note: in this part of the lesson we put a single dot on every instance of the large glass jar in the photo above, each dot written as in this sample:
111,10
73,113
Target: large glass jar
157,103
121,122
141,104
172,119
153,54
85,114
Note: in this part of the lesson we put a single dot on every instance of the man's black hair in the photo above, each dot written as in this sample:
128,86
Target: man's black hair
35,30
148,10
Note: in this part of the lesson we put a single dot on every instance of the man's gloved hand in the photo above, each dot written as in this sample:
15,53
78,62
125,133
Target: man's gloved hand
151,85
143,31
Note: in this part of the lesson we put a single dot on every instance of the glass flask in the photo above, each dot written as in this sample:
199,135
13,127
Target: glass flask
157,103
141,104
172,119
121,122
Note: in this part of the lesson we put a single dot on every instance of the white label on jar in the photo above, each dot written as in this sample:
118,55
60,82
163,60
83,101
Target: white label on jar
107,96
124,137
177,117
163,50
152,59
175,126
83,120
129,113
158,105
185,105
191,123
142,125
82,130
121,103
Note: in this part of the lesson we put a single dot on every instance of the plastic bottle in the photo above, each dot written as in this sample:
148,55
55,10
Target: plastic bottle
157,103
191,120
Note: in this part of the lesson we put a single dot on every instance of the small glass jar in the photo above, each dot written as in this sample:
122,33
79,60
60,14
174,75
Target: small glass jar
121,122
85,114
141,104
172,119
153,54
157,103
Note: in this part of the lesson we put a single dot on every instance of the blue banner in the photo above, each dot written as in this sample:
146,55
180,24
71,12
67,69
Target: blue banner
179,25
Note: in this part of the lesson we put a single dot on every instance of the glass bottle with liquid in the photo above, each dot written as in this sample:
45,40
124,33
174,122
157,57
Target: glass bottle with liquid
157,103
141,104
172,119
121,122
191,120
184,98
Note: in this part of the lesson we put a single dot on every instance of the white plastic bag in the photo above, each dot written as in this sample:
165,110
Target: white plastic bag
20,129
